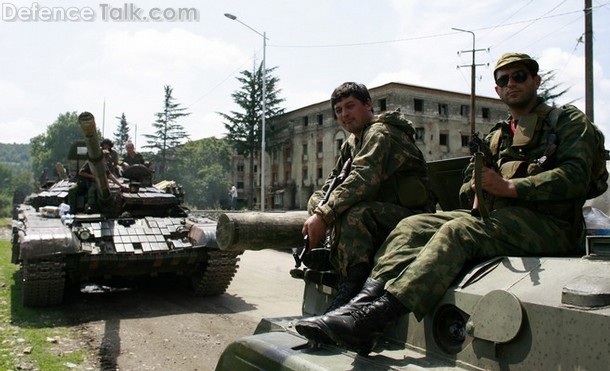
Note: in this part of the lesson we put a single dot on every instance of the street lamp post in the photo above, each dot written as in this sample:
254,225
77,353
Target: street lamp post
264,35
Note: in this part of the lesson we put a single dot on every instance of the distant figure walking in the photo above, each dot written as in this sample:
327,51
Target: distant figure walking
233,197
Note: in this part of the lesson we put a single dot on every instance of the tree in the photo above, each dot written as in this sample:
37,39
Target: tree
122,134
169,133
549,89
245,128
52,147
201,167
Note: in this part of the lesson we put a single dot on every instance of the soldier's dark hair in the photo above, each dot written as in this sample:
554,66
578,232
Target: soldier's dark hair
349,89
108,142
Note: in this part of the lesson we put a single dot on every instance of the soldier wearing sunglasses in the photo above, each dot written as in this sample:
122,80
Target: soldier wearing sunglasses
537,196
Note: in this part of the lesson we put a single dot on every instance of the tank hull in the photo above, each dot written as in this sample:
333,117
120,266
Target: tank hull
94,249
509,313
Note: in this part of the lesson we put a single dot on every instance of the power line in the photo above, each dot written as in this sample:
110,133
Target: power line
423,37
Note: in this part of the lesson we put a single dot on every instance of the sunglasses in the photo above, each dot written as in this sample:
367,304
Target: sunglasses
518,77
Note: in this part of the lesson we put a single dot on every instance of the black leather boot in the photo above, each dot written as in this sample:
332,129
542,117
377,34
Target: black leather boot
349,286
372,289
360,329
311,327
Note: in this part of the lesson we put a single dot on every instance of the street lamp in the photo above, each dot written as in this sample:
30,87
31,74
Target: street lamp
264,35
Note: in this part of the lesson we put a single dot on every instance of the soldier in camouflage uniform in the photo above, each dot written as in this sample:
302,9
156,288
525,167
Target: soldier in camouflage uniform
536,210
388,181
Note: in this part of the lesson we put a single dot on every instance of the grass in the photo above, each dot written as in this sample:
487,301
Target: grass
32,338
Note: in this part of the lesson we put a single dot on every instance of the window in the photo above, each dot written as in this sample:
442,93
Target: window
286,176
320,174
240,168
240,185
419,134
305,121
383,106
443,110
485,112
320,120
465,110
255,168
304,174
418,105
304,149
320,147
443,139
465,140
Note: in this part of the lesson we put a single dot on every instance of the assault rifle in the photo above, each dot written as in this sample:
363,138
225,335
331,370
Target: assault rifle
482,157
301,256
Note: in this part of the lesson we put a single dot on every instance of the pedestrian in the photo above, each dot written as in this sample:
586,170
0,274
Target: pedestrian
387,181
233,196
534,202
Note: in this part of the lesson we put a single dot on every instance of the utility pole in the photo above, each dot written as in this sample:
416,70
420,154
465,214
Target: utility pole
473,72
589,60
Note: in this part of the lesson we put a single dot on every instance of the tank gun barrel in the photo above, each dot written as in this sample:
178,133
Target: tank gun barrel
86,121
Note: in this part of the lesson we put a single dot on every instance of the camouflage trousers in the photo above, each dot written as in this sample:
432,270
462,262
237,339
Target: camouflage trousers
424,254
360,231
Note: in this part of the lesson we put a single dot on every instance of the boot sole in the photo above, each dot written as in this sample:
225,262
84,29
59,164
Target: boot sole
314,334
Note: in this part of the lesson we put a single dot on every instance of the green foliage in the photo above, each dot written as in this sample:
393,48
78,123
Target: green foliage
549,90
168,133
201,167
245,127
121,136
10,182
26,328
52,147
15,154
6,205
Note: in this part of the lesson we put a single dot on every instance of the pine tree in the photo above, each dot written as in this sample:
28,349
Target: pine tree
121,136
169,133
245,128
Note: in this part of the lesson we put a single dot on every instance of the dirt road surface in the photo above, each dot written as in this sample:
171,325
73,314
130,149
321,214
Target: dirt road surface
163,327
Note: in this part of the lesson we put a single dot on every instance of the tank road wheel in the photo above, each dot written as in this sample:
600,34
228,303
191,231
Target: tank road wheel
43,283
216,274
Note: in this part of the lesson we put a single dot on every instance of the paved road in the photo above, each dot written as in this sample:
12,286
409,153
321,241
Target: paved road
163,328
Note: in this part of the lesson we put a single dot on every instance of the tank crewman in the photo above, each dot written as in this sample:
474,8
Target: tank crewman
131,157
86,185
113,159
536,210
388,181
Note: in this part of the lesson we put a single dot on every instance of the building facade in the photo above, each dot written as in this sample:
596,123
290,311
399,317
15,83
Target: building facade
303,145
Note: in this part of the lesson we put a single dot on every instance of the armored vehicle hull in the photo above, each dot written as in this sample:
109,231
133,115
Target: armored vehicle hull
138,230
517,313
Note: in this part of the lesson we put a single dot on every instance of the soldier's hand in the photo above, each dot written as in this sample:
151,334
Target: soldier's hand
494,184
315,228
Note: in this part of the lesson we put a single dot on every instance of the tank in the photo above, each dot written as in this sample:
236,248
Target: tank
130,233
517,313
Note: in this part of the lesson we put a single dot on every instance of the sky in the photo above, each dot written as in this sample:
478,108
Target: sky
103,57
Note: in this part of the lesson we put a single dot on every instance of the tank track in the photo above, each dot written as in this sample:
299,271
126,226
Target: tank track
217,273
43,283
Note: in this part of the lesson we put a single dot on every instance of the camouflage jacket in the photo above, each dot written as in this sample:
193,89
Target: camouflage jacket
556,186
386,166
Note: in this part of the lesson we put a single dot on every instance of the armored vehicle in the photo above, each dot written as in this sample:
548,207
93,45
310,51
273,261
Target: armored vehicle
133,231
517,313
